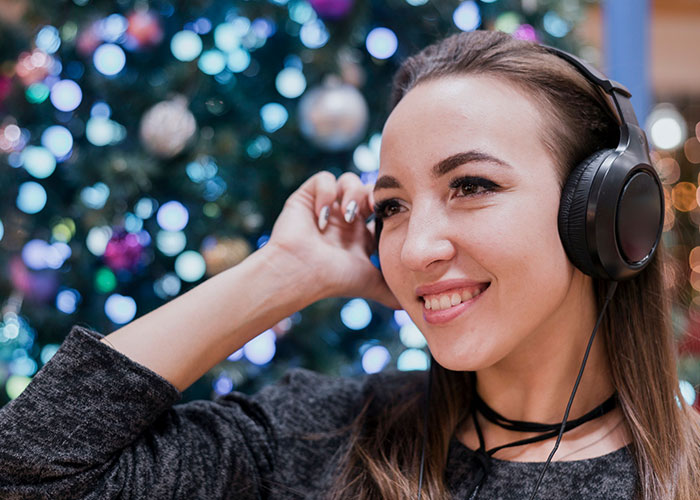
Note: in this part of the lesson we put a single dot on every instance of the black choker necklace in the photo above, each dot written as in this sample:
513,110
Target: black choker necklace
483,455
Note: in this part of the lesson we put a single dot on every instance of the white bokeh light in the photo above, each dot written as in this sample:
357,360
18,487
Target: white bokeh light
381,43
109,59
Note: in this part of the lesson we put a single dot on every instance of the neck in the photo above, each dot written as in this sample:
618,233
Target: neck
535,382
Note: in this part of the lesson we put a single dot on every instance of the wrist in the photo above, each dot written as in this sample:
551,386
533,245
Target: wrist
291,276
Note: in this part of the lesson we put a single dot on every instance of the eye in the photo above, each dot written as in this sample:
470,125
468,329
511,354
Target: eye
472,186
386,208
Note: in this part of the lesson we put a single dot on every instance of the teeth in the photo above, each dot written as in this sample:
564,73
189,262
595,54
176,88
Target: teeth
447,300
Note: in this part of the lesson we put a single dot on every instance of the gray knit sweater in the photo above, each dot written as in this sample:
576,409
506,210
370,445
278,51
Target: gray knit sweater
95,424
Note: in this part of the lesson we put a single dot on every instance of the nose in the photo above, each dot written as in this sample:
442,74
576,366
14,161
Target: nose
427,239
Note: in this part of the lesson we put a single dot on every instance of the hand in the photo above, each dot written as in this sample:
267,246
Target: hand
313,230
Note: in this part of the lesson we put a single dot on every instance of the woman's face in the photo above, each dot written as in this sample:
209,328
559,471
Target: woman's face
470,245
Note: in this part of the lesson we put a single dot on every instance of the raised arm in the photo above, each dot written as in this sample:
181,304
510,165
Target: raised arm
307,258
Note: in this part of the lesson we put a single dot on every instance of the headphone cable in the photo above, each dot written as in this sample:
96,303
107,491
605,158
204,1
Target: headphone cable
611,292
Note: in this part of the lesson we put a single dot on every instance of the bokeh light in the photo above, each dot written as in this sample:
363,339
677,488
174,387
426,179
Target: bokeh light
172,216
466,16
222,385
38,161
314,34
261,349
212,62
15,385
290,82
171,243
67,300
97,239
666,127
190,266
668,169
58,140
688,392
238,60
691,148
411,336
356,314
508,22
31,197
186,45
683,196
412,359
381,43
48,39
109,59
120,309
273,116
66,95
375,359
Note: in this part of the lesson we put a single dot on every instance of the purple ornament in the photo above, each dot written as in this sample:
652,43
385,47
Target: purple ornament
124,251
332,9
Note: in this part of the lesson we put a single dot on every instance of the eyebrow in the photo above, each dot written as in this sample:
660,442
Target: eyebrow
445,166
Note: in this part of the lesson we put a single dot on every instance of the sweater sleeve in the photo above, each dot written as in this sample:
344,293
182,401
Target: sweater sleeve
95,424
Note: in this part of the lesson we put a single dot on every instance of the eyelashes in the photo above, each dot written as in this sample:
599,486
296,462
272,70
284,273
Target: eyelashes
464,187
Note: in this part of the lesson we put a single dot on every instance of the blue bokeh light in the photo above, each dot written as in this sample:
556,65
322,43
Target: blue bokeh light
67,300
38,161
31,197
412,359
238,60
375,359
273,116
290,82
48,39
212,62
172,216
190,266
120,309
555,25
186,45
66,95
109,59
171,243
223,385
314,34
466,16
47,352
381,43
261,349
688,392
356,314
95,196
58,140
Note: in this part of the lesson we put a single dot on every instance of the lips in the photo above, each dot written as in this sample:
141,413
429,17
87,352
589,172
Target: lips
445,300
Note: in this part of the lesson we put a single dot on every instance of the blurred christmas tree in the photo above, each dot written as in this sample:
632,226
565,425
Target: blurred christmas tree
146,146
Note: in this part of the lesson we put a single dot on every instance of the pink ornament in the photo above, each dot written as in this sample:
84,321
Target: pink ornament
123,252
332,9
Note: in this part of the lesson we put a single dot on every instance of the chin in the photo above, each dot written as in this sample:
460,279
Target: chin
463,358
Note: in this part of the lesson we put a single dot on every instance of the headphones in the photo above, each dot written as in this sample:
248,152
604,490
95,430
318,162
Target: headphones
611,211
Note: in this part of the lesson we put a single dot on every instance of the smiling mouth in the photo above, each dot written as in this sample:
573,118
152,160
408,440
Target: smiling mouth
451,298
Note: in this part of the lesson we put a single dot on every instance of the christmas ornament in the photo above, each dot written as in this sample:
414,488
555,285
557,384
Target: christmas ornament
124,251
332,9
167,128
221,254
333,116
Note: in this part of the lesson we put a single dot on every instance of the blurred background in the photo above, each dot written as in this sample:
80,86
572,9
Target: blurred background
147,145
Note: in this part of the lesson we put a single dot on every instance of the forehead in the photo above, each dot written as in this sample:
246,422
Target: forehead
449,115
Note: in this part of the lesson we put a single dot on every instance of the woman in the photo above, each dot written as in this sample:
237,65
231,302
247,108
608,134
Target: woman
483,133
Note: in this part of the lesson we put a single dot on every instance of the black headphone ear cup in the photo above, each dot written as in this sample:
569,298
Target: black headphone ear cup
572,211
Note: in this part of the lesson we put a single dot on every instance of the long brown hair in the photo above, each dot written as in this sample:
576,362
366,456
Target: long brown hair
382,459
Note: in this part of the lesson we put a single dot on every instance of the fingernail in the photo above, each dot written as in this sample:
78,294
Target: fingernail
350,211
323,217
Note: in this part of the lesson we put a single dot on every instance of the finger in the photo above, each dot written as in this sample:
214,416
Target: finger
325,191
352,194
